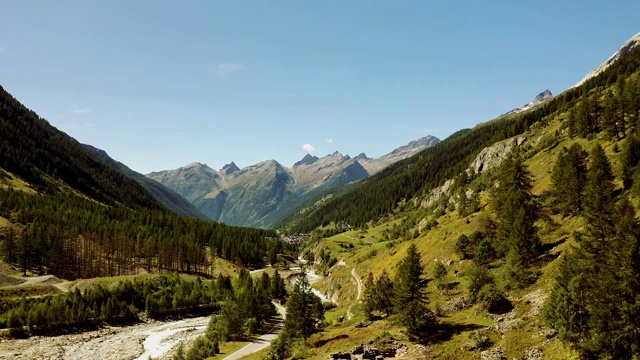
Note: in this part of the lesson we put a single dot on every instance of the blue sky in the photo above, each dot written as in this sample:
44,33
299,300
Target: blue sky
160,84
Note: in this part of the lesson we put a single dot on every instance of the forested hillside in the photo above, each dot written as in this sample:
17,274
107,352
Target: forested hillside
72,237
414,176
164,195
48,159
536,257
87,219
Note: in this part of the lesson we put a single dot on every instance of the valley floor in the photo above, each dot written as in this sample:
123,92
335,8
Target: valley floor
155,339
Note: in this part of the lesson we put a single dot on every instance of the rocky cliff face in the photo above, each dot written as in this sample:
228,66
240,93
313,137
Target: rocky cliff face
493,155
488,158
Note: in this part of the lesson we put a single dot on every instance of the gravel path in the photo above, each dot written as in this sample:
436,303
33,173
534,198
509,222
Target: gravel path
263,341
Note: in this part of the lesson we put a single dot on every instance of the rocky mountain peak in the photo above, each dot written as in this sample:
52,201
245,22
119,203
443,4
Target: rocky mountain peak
197,165
543,96
306,160
362,156
539,99
229,168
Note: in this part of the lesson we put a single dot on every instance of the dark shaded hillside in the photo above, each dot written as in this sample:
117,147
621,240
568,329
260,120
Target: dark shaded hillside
415,176
169,198
40,154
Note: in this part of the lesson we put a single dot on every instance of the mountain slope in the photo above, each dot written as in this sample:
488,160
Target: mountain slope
380,194
53,162
626,47
261,194
504,319
167,197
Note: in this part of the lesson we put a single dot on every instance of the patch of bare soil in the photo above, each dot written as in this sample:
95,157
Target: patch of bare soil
6,280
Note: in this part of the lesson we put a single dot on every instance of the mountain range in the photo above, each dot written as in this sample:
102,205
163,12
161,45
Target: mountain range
262,194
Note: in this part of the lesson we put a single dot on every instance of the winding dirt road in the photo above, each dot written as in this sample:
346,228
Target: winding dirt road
263,341
359,283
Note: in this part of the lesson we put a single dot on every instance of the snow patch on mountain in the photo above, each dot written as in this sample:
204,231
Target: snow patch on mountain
539,99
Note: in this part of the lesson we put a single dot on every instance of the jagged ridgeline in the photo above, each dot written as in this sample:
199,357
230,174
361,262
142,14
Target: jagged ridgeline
380,194
74,216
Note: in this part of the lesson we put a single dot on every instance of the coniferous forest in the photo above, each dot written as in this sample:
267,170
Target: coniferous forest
72,237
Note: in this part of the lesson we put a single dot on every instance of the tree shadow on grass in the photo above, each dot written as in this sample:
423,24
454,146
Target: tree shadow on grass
444,331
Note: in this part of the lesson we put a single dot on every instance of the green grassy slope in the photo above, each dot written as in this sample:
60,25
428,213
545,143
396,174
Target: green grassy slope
382,242
379,194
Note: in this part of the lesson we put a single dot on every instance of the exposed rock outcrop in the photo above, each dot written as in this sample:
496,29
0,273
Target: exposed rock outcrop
493,155
387,350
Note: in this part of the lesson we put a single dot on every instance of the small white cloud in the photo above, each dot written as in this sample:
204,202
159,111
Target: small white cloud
330,141
80,110
229,68
308,148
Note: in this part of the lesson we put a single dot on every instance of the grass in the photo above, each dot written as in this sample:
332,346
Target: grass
8,180
438,244
229,348
34,290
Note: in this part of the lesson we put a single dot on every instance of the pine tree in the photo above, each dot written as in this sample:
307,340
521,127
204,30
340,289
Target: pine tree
568,177
385,293
515,209
304,310
598,200
369,300
278,288
629,160
410,299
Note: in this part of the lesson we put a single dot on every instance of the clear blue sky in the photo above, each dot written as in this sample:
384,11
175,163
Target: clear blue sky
160,84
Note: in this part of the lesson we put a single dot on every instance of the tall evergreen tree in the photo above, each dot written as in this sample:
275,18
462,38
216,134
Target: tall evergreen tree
599,200
410,299
515,209
629,160
304,310
369,297
568,177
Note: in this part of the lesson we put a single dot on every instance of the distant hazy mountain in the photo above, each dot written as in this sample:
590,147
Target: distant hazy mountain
539,99
164,195
258,195
375,165
261,194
